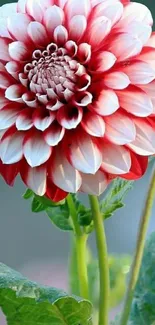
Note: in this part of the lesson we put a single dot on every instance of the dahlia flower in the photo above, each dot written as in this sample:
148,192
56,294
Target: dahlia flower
77,93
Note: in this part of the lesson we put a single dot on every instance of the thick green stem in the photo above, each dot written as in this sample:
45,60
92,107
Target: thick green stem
139,252
103,261
81,252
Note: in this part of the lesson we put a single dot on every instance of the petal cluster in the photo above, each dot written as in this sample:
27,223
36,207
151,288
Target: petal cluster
77,93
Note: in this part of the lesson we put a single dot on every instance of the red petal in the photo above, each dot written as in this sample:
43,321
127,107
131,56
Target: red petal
54,193
9,172
138,167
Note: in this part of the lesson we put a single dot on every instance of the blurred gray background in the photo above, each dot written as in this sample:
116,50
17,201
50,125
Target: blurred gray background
31,244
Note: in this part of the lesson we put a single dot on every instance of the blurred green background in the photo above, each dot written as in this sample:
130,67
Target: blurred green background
31,244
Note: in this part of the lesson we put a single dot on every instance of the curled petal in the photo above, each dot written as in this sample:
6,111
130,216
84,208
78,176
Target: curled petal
42,119
84,52
14,93
54,134
69,117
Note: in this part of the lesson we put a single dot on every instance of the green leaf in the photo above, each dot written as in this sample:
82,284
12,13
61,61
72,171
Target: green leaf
114,199
37,206
84,214
28,194
24,302
143,307
60,218
119,268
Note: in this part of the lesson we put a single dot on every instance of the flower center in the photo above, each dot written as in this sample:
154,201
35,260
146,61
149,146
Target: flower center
53,72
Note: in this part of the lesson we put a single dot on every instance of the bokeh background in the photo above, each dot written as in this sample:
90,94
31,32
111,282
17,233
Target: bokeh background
31,244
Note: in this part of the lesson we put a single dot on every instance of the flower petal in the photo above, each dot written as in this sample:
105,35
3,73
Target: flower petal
11,148
37,33
120,129
100,28
53,17
138,167
9,172
4,53
125,46
111,9
18,51
63,174
136,11
34,9
14,93
83,153
139,72
69,117
17,26
54,134
106,104
144,144
135,101
93,124
116,159
60,35
73,8
35,178
24,120
94,184
116,80
42,119
8,115
102,62
77,27
36,150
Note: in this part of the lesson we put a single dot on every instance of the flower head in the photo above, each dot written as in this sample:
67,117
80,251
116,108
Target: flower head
77,84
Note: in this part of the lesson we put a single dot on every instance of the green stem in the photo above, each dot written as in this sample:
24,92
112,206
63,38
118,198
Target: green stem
139,252
103,261
81,252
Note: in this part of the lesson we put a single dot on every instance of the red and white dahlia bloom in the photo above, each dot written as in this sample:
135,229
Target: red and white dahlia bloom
77,93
